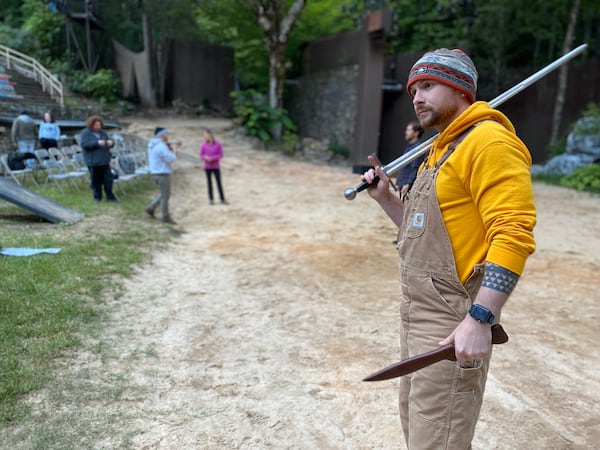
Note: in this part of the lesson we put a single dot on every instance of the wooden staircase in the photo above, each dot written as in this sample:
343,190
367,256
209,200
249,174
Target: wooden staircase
26,84
26,91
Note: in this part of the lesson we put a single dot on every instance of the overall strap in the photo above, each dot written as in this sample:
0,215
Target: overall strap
453,146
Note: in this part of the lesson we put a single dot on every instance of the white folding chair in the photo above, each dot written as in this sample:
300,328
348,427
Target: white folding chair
79,162
56,153
55,172
16,174
124,177
141,163
42,156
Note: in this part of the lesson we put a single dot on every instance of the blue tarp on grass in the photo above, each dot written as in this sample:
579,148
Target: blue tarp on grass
16,251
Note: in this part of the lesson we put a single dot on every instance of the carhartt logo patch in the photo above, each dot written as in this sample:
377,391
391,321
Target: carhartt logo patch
419,220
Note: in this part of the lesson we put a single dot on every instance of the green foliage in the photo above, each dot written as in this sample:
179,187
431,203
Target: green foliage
289,141
589,122
557,147
231,23
35,31
102,85
124,22
584,179
257,117
18,39
10,13
167,20
552,179
44,24
508,38
318,19
339,149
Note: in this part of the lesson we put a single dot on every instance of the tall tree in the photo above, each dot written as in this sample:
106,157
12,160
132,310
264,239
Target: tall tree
563,72
162,22
232,23
276,23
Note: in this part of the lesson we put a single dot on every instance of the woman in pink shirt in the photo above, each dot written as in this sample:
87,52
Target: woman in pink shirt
211,153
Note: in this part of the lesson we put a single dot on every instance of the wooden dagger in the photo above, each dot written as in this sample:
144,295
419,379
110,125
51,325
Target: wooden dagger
418,362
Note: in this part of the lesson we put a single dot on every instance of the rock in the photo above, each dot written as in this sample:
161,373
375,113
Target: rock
562,165
581,150
586,144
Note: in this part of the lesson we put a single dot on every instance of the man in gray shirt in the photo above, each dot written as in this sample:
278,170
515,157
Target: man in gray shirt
23,134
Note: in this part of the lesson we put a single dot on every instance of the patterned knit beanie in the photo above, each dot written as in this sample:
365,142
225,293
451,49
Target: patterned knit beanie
450,67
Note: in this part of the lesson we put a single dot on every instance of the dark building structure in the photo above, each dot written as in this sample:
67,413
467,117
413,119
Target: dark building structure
350,79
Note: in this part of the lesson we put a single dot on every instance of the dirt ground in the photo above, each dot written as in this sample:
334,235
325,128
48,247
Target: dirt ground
254,328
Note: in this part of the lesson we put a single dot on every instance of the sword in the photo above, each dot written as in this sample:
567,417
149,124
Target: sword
418,362
393,167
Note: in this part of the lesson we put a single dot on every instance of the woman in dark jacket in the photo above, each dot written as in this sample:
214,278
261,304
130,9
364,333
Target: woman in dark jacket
96,152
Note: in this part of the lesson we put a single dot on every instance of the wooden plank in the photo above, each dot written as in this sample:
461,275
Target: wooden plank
369,101
37,204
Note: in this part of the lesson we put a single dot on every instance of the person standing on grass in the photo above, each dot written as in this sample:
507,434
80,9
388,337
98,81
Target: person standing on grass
211,153
96,147
161,156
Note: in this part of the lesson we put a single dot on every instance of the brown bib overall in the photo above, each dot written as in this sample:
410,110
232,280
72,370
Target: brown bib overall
439,405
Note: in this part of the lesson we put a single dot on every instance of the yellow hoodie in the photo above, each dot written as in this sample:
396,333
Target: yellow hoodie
484,191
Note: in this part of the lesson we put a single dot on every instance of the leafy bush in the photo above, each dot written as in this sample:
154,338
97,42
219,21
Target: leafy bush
589,122
21,40
257,117
557,147
339,149
289,140
584,179
102,85
47,27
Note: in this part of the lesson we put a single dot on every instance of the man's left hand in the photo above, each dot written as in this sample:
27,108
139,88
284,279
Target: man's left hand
471,340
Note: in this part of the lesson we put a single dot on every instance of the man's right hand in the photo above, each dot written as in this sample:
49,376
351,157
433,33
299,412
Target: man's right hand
380,190
381,193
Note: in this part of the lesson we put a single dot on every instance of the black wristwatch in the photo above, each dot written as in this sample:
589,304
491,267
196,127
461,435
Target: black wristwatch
481,314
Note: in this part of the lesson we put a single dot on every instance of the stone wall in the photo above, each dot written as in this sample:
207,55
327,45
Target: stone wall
323,105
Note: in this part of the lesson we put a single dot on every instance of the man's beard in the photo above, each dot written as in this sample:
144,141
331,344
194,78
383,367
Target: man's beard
438,118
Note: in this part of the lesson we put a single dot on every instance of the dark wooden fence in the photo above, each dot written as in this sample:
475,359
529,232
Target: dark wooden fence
201,75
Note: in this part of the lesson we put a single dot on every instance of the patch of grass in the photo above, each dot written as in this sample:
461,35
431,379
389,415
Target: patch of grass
584,179
49,301
548,179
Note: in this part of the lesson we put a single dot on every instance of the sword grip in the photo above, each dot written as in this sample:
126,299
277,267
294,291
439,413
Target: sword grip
499,336
364,185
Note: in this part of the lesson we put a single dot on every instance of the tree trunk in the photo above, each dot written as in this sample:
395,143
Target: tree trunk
276,25
150,59
162,60
563,73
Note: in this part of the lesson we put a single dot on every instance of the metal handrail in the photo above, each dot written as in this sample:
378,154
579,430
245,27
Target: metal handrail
31,68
